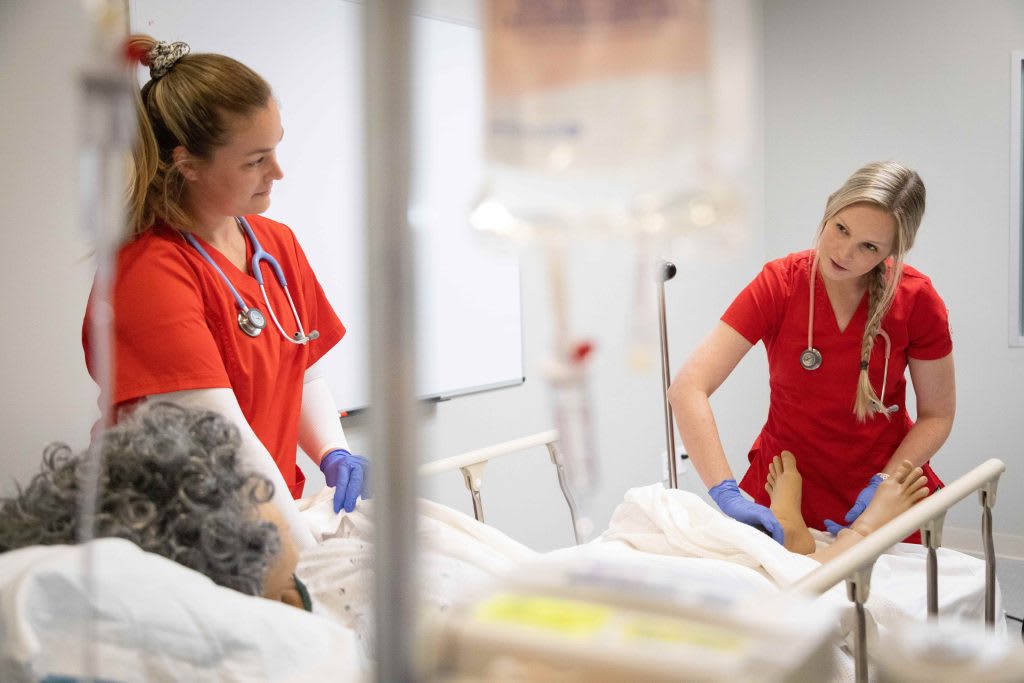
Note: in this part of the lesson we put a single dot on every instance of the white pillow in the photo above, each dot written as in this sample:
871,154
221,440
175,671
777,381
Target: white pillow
146,618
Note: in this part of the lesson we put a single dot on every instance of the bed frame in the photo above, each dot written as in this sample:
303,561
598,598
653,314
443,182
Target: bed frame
853,566
472,464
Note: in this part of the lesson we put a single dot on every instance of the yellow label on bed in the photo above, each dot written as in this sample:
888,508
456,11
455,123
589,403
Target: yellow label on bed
568,617
676,631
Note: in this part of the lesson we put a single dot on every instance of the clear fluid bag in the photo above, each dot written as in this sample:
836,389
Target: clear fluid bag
608,116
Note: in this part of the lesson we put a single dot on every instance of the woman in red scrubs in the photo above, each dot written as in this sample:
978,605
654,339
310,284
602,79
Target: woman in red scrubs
841,324
191,322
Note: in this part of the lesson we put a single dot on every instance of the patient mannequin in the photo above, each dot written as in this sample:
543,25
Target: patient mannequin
171,484
895,495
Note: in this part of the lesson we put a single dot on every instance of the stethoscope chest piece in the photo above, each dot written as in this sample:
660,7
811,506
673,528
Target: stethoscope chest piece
251,321
810,359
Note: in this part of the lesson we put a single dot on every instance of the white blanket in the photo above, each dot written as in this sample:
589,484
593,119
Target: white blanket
156,620
677,528
146,618
677,523
672,522
456,552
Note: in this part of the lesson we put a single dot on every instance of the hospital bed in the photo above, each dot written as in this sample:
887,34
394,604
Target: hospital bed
854,567
156,620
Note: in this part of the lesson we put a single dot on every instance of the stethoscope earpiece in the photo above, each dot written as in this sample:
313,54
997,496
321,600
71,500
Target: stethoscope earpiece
880,407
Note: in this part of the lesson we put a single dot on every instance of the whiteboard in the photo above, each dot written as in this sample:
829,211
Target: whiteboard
469,321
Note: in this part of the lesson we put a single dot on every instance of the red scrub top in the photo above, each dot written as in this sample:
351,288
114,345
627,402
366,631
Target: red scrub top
811,412
175,328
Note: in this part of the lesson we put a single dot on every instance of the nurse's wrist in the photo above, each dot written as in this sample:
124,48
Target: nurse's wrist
723,488
330,448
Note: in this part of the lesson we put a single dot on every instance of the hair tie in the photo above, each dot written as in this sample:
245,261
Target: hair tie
863,365
165,55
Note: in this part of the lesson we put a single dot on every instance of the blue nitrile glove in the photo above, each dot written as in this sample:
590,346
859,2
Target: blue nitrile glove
832,528
863,498
347,474
728,497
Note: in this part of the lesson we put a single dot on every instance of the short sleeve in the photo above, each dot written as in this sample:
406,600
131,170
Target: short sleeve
929,337
162,340
319,311
758,309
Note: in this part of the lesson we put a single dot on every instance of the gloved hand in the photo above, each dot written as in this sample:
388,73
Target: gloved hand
832,528
863,498
347,474
729,499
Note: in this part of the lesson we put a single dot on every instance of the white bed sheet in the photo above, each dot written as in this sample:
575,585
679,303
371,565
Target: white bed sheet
147,618
677,529
160,621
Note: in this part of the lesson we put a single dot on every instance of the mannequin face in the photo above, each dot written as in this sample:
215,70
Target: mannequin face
279,582
855,241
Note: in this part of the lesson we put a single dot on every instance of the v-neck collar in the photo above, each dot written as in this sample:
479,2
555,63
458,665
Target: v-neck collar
824,303
224,262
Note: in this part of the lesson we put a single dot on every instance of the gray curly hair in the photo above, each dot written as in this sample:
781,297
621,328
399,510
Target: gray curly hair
170,482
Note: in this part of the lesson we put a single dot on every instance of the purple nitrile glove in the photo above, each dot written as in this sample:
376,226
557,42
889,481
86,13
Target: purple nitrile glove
347,474
832,528
727,496
863,498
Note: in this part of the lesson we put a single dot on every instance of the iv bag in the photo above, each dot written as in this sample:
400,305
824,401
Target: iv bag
600,118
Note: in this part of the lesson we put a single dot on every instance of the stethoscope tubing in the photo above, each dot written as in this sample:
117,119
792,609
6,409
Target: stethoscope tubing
813,356
259,255
190,238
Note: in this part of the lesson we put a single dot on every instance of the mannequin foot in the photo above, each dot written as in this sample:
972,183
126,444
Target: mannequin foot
785,486
895,495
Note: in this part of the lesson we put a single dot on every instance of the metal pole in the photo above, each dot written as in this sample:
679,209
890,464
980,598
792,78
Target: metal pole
107,128
387,37
990,561
933,583
858,588
556,460
473,476
666,272
861,646
931,538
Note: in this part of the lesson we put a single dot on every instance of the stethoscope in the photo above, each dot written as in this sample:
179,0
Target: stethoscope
810,358
251,320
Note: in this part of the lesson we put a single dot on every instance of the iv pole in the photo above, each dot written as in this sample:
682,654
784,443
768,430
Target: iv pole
387,87
666,271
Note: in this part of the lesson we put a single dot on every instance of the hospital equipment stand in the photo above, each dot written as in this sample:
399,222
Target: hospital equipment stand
387,37
987,498
666,272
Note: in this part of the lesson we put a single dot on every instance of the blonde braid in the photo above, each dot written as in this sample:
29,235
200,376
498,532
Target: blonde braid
882,284
891,186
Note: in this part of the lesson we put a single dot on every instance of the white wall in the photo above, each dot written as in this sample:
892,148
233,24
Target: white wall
45,392
920,81
926,83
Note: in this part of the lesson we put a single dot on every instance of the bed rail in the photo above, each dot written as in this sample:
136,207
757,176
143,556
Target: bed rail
472,464
855,564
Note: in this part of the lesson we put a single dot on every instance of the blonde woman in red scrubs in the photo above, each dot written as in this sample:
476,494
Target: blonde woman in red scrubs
216,306
841,323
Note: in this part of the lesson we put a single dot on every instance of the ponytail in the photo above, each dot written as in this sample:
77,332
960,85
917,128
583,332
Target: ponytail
189,102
